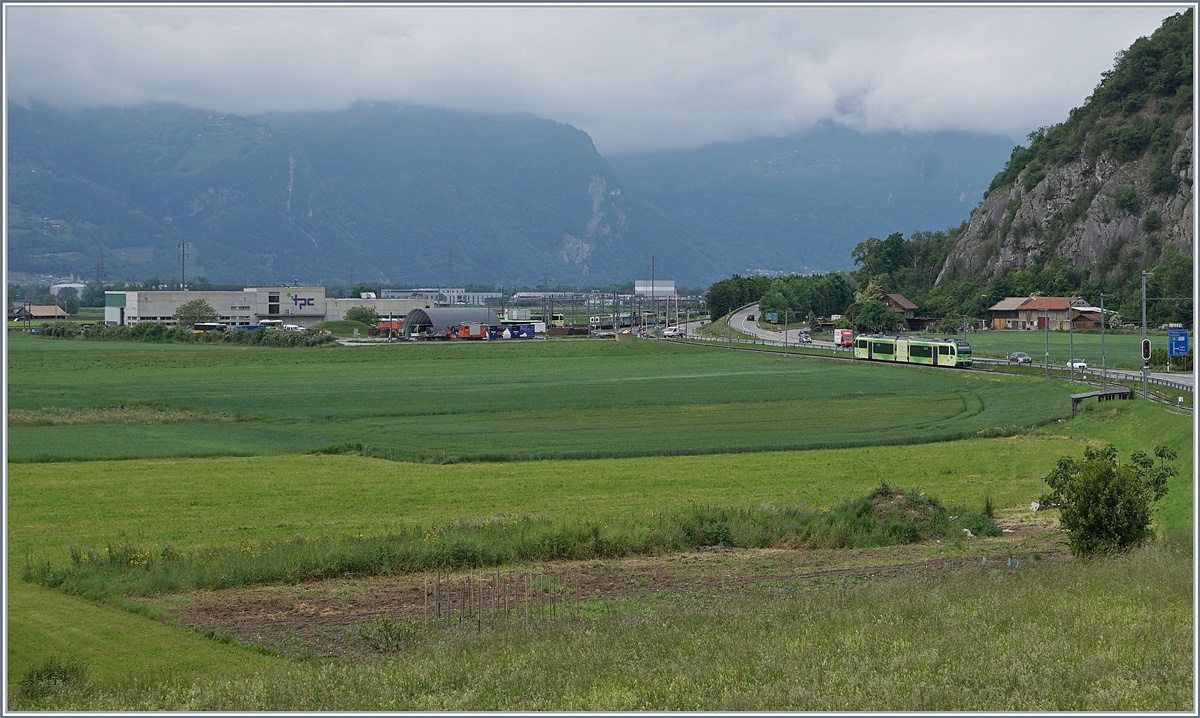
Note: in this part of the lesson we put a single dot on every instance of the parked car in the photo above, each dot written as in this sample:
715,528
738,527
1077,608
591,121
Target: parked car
1020,358
1076,364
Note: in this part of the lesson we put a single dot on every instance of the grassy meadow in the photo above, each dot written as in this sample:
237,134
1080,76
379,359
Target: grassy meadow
500,402
219,463
1123,349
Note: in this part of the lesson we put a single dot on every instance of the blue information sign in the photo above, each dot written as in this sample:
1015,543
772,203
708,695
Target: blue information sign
772,316
1177,342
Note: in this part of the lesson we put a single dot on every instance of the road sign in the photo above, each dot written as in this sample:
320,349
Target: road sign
1177,342
1145,350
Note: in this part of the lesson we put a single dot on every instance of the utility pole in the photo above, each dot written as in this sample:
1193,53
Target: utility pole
100,269
183,263
653,296
1103,356
1071,319
1145,360
785,331
1046,324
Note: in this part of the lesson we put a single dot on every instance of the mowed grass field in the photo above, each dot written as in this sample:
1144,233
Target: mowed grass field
500,401
956,641
1123,349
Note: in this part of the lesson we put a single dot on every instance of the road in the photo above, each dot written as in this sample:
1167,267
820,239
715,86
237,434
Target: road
741,322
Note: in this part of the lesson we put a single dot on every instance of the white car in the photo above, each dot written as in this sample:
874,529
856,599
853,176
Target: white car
1076,364
671,332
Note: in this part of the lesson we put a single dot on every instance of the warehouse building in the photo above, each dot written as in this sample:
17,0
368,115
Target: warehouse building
296,305
440,320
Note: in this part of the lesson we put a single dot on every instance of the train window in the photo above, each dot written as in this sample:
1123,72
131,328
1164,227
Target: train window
881,348
862,343
943,350
922,352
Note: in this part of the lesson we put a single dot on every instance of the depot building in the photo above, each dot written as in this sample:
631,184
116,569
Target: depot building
301,306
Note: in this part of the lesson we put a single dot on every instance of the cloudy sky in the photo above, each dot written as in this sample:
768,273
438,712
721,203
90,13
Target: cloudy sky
635,78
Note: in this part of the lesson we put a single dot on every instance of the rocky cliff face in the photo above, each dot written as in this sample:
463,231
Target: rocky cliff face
1104,215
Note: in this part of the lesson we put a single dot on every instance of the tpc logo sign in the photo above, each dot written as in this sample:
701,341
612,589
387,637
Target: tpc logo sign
302,302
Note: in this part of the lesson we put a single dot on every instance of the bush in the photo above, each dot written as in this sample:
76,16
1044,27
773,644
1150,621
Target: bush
51,675
195,312
1105,506
1127,198
366,315
1152,222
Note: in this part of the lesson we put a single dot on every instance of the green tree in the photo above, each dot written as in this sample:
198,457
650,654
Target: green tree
875,316
366,315
68,299
195,312
774,301
1106,506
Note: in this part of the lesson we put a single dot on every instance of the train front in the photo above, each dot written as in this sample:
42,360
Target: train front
963,348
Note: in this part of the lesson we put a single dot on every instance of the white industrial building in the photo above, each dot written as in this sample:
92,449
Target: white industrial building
656,289
301,306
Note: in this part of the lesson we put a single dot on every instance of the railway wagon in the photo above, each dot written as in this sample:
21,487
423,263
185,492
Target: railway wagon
913,350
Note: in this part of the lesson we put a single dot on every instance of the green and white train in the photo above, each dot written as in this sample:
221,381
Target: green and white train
913,350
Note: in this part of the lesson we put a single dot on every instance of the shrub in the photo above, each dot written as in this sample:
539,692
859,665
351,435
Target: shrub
52,674
1106,506
1152,222
1127,198
1162,179
366,315
195,312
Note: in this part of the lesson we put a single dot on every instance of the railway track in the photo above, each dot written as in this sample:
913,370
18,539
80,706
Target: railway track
987,367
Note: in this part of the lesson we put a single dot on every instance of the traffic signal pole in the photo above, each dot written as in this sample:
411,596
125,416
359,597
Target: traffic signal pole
1145,343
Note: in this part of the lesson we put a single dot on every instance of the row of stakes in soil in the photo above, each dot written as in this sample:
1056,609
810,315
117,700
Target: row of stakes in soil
507,597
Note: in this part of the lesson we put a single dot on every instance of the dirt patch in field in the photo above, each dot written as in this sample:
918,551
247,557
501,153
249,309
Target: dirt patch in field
327,618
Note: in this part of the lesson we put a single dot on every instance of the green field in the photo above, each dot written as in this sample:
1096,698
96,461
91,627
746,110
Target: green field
668,419
507,401
1123,349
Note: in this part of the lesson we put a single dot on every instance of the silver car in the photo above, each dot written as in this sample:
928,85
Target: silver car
1020,358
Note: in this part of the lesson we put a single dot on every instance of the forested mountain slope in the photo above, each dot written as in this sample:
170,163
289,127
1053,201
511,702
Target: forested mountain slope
392,194
1108,189
408,194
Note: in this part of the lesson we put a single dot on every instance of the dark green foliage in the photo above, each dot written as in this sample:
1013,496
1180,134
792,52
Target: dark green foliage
1152,222
385,634
875,316
823,294
68,299
886,516
1034,175
1123,142
365,315
1107,506
1157,70
1126,198
160,333
1163,180
195,312
51,675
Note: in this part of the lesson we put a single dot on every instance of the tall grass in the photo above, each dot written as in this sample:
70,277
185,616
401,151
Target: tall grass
1107,635
886,516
